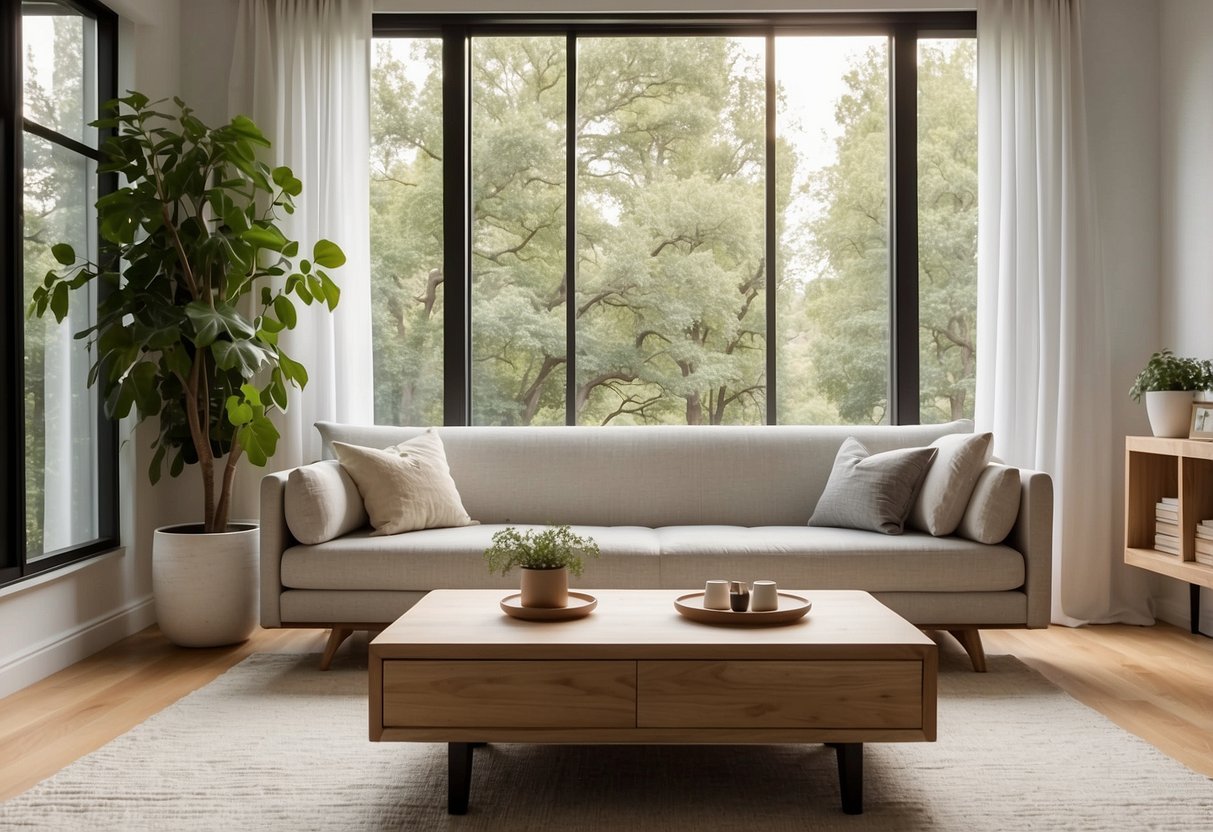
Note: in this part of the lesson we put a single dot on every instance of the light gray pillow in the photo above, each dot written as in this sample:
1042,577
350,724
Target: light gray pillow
407,486
321,502
873,492
994,506
949,482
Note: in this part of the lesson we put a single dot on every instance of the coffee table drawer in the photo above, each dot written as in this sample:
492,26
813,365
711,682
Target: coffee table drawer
779,694
509,694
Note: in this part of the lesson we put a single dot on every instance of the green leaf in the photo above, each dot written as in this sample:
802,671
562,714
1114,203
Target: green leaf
293,370
64,254
259,438
144,378
332,292
238,412
285,310
264,236
328,254
58,302
251,394
210,324
153,470
245,128
243,356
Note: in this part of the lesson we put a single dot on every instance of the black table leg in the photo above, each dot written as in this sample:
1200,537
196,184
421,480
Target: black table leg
850,775
459,776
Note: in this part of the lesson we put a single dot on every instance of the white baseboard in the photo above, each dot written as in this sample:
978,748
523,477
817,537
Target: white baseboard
1174,611
54,654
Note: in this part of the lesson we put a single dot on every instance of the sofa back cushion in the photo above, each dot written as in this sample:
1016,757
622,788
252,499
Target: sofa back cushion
322,502
643,476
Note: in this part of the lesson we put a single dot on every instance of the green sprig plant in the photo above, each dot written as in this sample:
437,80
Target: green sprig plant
1167,371
550,548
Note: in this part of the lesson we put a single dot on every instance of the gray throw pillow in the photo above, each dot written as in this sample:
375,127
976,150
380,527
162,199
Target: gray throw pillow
948,484
869,491
994,506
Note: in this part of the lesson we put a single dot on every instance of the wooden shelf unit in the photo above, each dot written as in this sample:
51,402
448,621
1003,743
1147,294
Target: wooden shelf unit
1157,468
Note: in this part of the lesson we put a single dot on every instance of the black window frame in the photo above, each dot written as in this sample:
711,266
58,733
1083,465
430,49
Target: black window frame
15,563
904,29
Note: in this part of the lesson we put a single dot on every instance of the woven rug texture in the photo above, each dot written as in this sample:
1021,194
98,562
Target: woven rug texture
274,744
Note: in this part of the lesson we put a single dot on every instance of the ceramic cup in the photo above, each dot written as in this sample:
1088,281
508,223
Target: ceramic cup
764,596
716,595
739,596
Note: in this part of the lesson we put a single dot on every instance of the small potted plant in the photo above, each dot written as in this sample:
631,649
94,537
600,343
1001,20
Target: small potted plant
1169,382
546,558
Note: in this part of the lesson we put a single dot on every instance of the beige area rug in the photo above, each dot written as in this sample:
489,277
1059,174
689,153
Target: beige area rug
275,744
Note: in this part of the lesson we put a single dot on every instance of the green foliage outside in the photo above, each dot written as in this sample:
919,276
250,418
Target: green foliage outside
670,302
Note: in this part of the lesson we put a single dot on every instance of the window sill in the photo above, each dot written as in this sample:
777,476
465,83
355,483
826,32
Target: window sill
58,574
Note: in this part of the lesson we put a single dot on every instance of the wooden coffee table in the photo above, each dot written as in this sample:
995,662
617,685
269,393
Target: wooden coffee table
454,669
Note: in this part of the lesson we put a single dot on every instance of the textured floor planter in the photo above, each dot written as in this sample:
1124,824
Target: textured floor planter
545,587
1170,412
206,585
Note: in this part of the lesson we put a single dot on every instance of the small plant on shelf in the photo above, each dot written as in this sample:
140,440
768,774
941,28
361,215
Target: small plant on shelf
1167,371
551,548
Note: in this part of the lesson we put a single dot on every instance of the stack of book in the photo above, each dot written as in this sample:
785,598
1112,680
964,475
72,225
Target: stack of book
1166,525
1204,542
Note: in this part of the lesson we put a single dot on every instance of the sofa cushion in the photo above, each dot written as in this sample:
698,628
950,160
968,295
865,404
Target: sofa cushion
993,507
646,475
808,558
945,490
321,502
405,487
871,491
453,558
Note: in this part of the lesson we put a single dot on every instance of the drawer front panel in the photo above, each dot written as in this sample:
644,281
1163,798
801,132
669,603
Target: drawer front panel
779,694
509,694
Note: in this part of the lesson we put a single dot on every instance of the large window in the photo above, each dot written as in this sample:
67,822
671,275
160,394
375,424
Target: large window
701,220
58,450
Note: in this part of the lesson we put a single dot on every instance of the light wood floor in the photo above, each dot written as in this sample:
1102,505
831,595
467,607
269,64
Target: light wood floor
1154,681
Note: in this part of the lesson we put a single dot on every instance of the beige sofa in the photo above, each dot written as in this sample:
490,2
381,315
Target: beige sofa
669,507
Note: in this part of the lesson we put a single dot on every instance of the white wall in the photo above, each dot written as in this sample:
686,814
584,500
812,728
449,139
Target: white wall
1186,217
60,618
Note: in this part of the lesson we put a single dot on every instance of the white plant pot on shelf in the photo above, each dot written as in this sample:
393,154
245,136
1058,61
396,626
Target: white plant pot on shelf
206,585
1170,412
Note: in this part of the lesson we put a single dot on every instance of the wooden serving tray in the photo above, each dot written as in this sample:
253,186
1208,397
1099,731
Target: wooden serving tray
580,605
791,608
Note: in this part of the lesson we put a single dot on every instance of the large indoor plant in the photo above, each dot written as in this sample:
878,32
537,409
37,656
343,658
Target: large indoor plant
195,282
1168,383
546,558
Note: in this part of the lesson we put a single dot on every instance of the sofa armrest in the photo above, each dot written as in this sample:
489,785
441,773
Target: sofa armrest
1032,536
275,539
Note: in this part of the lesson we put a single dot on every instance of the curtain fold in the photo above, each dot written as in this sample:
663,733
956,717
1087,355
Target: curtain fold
301,71
1043,380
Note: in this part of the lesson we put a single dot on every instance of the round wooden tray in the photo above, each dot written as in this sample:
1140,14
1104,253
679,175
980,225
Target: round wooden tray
580,605
791,608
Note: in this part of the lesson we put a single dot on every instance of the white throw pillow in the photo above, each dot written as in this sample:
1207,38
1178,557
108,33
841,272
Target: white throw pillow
407,486
949,483
994,506
322,502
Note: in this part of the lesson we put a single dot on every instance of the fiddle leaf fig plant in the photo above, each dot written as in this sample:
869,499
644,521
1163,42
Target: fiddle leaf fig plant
195,283
1167,371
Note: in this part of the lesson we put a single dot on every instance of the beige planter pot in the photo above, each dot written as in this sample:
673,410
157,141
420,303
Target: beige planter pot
548,588
206,585
1170,412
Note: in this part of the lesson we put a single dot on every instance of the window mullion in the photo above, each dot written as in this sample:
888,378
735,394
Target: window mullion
570,231
456,225
771,239
903,228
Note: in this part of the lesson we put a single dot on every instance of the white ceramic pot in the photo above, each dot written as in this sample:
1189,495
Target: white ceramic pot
1170,412
206,585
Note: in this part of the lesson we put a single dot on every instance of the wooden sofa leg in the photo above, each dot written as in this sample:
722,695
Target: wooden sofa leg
970,640
336,638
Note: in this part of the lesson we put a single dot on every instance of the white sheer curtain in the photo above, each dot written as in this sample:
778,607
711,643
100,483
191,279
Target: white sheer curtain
1043,380
301,71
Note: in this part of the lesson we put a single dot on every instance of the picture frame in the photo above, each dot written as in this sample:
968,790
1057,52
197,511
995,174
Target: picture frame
1201,426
